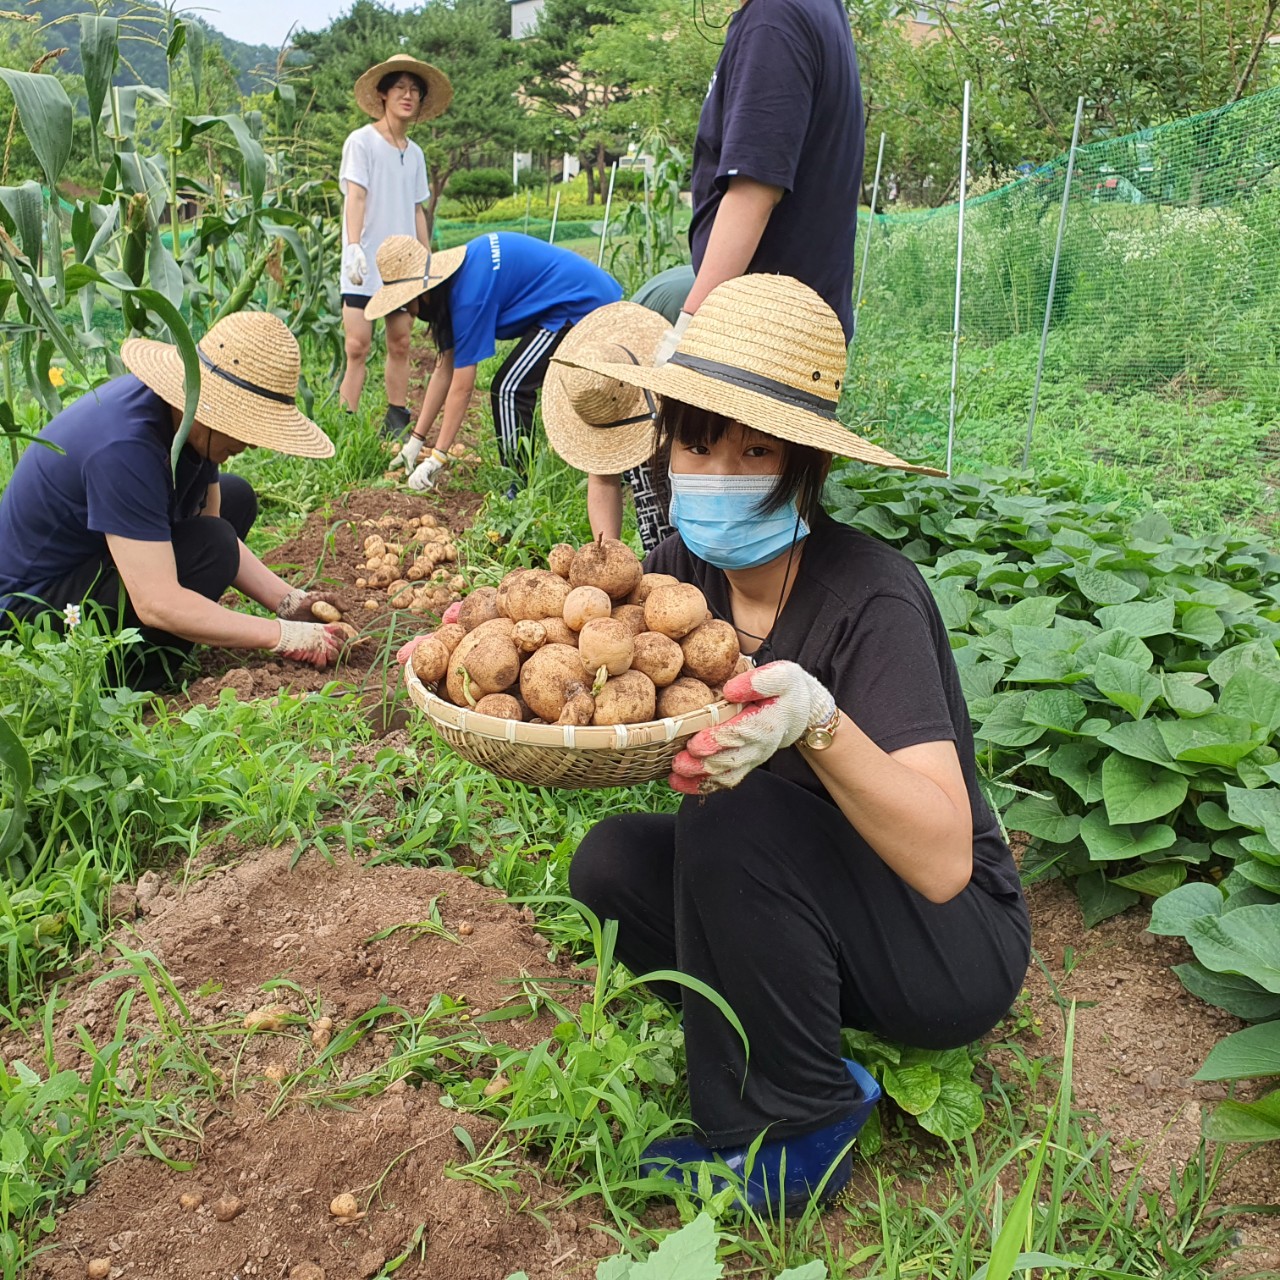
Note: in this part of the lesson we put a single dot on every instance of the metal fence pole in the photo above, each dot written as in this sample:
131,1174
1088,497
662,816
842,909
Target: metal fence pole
555,214
608,204
866,244
955,338
1053,281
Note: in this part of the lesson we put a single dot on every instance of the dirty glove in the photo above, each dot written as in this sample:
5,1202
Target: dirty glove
781,701
296,604
671,339
354,265
318,644
424,476
408,455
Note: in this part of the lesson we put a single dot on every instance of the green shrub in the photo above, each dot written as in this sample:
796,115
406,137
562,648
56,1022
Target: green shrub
477,190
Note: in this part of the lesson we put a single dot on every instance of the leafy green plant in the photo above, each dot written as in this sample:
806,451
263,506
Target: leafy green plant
478,190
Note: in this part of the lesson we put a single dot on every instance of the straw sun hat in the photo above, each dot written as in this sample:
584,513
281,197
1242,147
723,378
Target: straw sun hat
763,350
249,366
598,424
408,269
439,90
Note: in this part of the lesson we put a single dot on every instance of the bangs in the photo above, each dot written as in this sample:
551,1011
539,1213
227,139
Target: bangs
804,469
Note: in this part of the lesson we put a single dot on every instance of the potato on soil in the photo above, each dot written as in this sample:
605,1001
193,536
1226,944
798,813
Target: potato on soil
536,594
559,632
606,642
271,1017
430,660
478,607
583,604
321,1034
632,615
528,635
579,707
323,611
98,1268
306,1271
501,705
625,699
227,1208
608,564
344,1205
647,583
675,611
711,652
658,656
560,559
190,1201
684,695
547,678
491,665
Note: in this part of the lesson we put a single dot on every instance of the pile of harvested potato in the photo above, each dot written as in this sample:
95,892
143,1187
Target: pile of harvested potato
414,568
590,640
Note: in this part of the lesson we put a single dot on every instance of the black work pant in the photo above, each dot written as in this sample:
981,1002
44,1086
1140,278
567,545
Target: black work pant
206,550
771,898
515,387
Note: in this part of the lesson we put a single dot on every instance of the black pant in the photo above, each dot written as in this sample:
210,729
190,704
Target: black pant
771,898
515,387
206,550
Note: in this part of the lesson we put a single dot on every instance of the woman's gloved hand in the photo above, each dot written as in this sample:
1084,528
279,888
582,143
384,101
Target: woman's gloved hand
780,702
409,451
424,475
318,644
296,604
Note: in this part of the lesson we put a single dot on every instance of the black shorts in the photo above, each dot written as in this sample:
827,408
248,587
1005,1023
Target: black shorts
359,302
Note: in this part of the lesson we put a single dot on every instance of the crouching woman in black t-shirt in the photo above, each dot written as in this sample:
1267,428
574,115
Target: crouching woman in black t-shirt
835,864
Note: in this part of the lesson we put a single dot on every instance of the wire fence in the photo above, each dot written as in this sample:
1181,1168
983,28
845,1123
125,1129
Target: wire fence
1162,363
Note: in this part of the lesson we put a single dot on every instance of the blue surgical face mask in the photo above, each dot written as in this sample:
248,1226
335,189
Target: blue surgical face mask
720,521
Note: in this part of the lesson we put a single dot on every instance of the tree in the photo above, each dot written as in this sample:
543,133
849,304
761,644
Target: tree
569,101
468,40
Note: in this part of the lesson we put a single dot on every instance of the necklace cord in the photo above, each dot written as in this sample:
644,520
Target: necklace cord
782,595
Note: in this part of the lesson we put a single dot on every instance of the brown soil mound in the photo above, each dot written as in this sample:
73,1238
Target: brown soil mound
327,554
350,1120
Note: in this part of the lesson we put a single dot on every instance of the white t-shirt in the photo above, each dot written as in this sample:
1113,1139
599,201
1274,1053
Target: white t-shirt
396,183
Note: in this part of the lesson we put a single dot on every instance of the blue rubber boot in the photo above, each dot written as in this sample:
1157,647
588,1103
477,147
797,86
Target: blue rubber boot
787,1171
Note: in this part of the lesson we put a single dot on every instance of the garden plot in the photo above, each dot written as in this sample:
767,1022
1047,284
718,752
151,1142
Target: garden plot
328,554
285,1118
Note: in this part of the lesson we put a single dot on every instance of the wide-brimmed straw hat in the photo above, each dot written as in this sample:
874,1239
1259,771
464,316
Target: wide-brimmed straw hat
408,270
249,366
765,351
597,424
439,90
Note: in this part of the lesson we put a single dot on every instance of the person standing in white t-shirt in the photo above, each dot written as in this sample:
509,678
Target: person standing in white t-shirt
383,179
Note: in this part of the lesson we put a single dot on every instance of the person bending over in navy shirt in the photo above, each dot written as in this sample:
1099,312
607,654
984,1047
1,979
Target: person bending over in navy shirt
499,286
104,519
777,163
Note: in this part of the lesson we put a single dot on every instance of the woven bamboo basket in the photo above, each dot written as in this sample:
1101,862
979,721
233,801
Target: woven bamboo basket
550,755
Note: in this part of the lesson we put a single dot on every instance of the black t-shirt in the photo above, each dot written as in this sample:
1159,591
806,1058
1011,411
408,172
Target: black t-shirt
785,108
861,620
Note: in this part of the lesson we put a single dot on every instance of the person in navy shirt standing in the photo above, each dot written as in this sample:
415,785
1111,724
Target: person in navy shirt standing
103,519
777,164
499,286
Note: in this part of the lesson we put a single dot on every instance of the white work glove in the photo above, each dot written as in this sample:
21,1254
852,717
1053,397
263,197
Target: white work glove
318,644
296,604
670,340
354,265
782,701
424,475
408,455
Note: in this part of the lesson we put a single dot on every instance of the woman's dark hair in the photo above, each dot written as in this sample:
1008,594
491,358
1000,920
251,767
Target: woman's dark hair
384,85
435,313
804,469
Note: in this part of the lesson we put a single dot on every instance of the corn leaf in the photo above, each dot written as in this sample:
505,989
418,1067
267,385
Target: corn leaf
45,112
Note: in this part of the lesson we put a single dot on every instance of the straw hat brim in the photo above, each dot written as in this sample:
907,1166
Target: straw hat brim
600,450
439,88
755,409
223,407
390,297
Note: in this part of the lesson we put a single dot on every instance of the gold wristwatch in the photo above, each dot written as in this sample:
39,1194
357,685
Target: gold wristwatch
818,737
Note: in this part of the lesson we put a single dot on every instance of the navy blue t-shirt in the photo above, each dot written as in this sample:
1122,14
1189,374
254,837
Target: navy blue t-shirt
785,108
113,477
510,282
